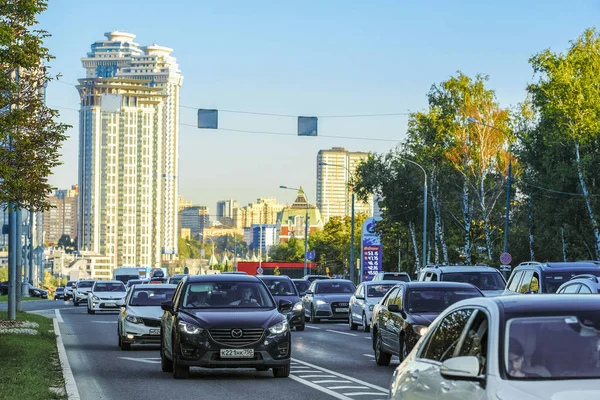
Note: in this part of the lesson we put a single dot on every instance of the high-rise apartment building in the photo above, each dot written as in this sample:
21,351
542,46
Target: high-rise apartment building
334,170
196,219
128,151
62,218
225,211
263,211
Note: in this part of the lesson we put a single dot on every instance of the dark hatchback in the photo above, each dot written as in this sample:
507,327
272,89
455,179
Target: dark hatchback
59,293
407,310
302,286
282,288
224,321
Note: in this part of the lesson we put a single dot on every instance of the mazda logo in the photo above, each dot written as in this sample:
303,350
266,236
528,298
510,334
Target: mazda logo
236,333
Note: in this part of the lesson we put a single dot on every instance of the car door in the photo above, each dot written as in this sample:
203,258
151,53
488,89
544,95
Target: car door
169,319
307,299
122,313
423,373
385,321
356,304
395,323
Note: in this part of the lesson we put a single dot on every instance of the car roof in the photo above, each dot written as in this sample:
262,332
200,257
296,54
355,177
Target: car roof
156,286
274,277
108,281
381,282
437,284
555,303
332,280
222,278
561,266
300,280
462,268
394,273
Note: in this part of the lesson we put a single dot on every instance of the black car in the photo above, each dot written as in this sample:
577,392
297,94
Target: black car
312,278
282,288
59,294
225,321
406,311
3,288
301,286
532,277
37,292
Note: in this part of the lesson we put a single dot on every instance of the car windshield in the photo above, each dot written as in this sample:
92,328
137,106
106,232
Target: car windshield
554,280
554,347
149,296
302,286
334,287
378,290
395,277
483,280
436,300
109,287
134,282
85,284
280,287
174,280
60,289
226,295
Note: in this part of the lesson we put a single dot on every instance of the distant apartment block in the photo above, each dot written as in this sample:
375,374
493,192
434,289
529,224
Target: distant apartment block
62,218
263,211
335,168
196,219
225,210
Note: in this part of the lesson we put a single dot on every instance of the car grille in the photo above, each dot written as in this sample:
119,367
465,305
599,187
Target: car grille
224,336
339,305
151,322
109,298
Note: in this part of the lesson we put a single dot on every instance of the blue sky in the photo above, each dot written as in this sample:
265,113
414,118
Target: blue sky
304,58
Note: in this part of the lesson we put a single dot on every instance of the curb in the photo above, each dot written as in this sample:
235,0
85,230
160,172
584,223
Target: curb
70,385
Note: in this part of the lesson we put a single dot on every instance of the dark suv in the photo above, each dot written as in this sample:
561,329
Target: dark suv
534,277
225,321
489,280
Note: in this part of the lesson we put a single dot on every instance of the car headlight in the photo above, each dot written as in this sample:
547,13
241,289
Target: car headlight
133,319
95,298
298,306
321,302
190,329
420,329
371,306
279,327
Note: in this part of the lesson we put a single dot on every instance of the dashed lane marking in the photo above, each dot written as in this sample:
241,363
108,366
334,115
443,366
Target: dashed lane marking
341,333
312,327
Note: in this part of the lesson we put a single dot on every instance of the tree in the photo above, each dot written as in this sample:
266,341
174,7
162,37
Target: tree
67,244
290,251
30,136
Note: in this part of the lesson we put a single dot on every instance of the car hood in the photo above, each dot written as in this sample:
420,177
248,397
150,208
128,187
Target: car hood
492,293
331,297
154,312
580,389
423,318
110,295
84,289
227,318
293,299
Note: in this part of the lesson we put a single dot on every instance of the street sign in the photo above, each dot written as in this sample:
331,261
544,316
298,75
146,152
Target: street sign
307,126
505,268
310,255
208,119
505,258
259,271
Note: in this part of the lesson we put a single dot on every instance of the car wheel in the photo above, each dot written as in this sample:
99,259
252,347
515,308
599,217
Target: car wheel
365,325
179,371
76,304
165,364
282,372
262,368
313,316
124,346
300,328
351,323
403,353
381,357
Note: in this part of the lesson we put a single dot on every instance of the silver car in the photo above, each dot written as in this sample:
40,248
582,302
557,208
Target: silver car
80,293
104,296
328,298
363,301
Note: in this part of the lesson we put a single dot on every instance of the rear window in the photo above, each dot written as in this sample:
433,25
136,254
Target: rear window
109,287
334,287
483,280
554,280
280,287
395,277
379,290
302,286
85,284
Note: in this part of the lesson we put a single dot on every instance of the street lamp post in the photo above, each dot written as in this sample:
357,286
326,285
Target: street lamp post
351,220
305,229
508,180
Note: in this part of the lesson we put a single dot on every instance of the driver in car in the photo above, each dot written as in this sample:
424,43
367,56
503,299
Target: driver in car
516,363
246,298
198,300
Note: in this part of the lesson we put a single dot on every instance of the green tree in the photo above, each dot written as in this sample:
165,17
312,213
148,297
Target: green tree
290,251
3,274
30,136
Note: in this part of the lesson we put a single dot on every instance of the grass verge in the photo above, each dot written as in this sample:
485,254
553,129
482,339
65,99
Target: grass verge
5,298
29,363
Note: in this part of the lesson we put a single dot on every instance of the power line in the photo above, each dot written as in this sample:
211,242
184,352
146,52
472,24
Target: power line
558,191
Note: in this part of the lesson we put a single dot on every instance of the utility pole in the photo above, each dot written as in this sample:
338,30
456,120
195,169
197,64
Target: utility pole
22,287
12,264
399,255
31,253
306,241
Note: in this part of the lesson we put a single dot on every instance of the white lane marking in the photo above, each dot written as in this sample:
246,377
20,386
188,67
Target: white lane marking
312,327
70,384
105,322
59,317
368,337
142,360
331,381
369,355
365,394
320,388
317,376
346,387
342,376
341,333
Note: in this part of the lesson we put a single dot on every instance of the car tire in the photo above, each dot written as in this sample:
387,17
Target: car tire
165,364
351,323
282,372
76,304
403,353
90,311
366,327
313,316
124,346
381,357
262,368
301,327
179,371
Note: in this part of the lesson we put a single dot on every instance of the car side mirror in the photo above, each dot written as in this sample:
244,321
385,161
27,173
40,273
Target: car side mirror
167,305
309,292
301,294
360,296
461,368
120,303
285,306
394,308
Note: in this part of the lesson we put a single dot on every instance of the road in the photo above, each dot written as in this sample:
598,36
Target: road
329,361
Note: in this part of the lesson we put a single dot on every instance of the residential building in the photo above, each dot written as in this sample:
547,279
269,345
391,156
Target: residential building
263,211
261,235
128,152
62,218
196,219
225,212
335,168
292,223
216,231
182,203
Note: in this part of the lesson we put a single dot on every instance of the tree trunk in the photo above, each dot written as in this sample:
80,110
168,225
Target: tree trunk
564,244
467,221
438,230
411,227
484,215
530,226
586,195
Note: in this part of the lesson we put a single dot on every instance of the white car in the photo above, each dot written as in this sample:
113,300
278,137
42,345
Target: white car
139,320
363,301
80,293
504,348
104,296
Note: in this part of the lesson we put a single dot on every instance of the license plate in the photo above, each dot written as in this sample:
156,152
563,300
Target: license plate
237,353
341,310
155,331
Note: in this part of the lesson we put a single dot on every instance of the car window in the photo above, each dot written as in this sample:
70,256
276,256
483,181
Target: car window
442,343
85,284
552,281
436,300
302,286
475,339
524,285
324,287
398,298
535,283
584,290
109,287
395,277
228,294
514,281
148,296
390,296
574,288
484,280
359,290
280,287
378,290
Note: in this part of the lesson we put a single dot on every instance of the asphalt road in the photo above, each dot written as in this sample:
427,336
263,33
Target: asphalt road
329,361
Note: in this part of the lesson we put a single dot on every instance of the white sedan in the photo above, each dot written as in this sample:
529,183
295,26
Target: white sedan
363,301
139,319
104,296
503,348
